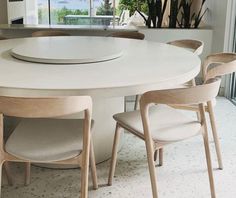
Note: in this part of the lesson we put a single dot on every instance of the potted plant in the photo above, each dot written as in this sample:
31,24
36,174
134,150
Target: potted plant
181,13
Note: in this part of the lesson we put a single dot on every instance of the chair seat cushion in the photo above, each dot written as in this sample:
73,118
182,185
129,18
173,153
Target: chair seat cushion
166,123
43,140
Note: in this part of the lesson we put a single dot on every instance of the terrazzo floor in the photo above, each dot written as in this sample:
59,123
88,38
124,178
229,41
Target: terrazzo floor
183,175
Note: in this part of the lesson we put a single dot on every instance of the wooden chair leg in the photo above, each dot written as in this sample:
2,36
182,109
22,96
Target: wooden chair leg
27,173
1,177
207,151
198,116
152,170
215,135
137,98
155,155
209,165
160,151
84,175
114,154
8,174
93,167
125,106
161,156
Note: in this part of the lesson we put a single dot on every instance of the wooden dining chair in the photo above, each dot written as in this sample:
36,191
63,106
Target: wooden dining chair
214,65
195,46
128,35
160,125
43,137
43,33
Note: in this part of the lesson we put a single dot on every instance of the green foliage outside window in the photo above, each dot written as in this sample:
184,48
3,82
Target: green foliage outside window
57,15
134,5
105,8
60,14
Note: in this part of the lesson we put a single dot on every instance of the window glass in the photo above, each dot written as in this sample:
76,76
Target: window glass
102,12
43,12
69,12
86,12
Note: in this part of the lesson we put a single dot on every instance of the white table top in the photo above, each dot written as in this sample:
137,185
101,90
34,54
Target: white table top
143,66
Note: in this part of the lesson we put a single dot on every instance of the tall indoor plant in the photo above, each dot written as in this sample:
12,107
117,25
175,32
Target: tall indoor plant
180,13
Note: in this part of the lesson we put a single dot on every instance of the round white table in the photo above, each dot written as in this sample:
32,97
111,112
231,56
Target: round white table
142,66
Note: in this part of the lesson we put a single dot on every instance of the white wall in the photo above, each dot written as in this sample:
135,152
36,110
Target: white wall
218,16
31,12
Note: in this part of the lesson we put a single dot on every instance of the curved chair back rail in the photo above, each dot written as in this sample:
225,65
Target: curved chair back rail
184,96
44,107
195,45
43,33
226,65
129,35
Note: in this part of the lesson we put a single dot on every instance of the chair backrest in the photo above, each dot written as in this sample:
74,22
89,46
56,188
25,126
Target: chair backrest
43,33
44,107
184,96
129,35
223,64
195,45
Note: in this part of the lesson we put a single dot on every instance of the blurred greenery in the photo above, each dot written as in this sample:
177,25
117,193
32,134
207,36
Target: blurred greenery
105,8
57,15
134,5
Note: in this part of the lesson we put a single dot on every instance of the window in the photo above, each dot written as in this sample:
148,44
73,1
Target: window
233,78
75,12
86,12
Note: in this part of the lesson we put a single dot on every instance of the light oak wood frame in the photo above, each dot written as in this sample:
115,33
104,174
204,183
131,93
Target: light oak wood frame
43,33
6,165
196,45
225,64
128,35
53,108
194,95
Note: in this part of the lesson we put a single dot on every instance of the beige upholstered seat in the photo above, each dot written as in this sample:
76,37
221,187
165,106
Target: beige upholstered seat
45,140
166,124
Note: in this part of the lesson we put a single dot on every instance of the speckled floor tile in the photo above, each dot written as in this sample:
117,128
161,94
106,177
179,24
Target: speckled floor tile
184,174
